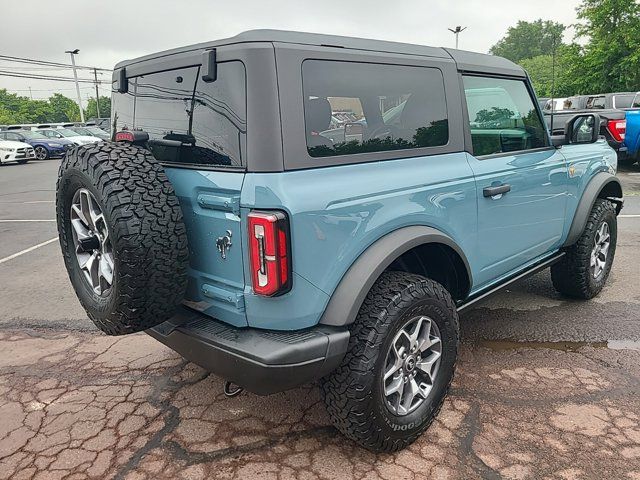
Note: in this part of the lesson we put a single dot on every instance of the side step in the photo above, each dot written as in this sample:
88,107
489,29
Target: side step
519,276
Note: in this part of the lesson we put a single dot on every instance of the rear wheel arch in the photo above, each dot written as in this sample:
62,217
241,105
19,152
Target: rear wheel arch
408,249
602,185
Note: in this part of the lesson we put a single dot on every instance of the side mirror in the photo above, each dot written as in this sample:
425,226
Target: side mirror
353,131
580,129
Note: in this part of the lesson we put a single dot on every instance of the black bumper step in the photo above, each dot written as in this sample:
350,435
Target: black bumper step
261,361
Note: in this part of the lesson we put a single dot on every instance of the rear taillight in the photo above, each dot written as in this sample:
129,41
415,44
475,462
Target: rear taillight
269,253
124,137
617,128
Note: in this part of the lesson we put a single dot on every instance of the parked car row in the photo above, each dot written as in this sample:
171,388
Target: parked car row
20,143
618,115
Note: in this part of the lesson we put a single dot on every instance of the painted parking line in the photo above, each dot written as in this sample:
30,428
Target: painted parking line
27,250
27,221
629,216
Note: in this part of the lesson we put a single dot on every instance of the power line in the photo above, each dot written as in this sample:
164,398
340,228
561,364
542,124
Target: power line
44,89
5,73
48,63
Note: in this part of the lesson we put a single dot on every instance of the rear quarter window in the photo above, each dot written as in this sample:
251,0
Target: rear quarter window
188,120
352,108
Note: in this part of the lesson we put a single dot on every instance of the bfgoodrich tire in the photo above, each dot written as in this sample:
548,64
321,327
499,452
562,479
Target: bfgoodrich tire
368,396
584,270
122,236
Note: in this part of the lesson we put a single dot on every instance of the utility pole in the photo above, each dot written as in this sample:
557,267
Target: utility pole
75,76
95,76
458,30
30,94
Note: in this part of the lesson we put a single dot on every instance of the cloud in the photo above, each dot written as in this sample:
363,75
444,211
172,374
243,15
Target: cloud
107,32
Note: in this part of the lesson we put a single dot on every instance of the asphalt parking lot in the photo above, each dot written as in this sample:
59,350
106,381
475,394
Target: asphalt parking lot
545,388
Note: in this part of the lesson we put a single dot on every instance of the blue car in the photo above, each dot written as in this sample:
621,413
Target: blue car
224,222
43,147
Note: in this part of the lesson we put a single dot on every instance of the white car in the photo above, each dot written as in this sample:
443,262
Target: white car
69,135
11,151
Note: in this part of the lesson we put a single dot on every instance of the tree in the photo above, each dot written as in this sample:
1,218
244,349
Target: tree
568,59
63,109
529,39
611,56
105,108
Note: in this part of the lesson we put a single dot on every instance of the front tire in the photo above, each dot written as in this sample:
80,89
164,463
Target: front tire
22,162
584,270
400,363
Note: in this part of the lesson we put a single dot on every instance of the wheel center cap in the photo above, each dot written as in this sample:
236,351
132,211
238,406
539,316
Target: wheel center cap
89,244
410,363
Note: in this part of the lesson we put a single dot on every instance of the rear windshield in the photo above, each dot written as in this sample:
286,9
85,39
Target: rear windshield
352,108
188,120
623,101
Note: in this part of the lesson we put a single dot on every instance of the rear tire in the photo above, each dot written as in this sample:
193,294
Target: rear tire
134,215
41,153
576,275
357,392
22,162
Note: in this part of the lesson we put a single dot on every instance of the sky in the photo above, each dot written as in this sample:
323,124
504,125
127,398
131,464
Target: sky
107,32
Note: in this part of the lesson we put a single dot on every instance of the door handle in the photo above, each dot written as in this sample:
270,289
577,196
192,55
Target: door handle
497,190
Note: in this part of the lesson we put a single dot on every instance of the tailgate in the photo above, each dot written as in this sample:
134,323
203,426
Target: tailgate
210,202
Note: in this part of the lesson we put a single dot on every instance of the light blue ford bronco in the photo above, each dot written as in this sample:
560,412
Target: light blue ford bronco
284,207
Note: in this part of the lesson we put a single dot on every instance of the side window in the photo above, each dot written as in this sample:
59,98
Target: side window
502,116
188,121
352,108
13,137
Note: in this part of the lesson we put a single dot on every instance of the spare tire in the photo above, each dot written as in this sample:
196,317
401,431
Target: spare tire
122,236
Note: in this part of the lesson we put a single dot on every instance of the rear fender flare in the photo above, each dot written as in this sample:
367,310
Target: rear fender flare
347,298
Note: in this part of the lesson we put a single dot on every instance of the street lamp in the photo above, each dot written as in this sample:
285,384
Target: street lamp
75,76
458,30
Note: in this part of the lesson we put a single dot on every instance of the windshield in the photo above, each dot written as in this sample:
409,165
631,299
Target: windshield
32,135
65,132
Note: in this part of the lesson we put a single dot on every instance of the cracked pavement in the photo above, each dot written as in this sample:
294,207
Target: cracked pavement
545,387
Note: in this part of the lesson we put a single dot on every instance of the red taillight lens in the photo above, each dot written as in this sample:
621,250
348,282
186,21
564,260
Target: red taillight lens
124,137
618,128
269,253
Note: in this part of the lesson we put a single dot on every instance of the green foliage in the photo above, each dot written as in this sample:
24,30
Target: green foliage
611,58
567,72
529,39
607,61
105,108
63,109
18,109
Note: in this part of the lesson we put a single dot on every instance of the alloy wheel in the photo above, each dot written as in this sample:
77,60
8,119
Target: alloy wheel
93,248
411,365
600,251
41,153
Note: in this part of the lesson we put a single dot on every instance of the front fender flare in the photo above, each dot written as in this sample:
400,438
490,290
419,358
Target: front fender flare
592,191
350,293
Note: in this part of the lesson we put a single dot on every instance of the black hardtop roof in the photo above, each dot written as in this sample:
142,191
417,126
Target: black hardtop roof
469,61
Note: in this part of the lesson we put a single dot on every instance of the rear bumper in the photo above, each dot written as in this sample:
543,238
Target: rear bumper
261,361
